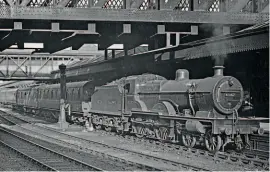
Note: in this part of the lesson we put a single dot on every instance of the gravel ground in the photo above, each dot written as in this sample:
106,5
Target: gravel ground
10,161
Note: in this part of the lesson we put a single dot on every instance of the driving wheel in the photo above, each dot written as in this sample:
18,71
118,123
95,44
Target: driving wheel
212,142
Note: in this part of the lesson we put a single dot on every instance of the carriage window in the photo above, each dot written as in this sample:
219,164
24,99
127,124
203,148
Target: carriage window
52,94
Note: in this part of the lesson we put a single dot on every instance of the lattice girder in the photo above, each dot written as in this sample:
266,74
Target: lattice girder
215,7
114,4
29,66
183,5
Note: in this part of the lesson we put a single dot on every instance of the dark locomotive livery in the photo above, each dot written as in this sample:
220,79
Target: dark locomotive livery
198,111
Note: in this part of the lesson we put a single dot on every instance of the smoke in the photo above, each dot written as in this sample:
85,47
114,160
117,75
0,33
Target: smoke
219,60
213,48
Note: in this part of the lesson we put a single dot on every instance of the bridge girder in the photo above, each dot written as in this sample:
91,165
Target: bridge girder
30,67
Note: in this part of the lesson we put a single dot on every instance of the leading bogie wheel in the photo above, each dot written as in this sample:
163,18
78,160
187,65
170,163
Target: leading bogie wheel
212,142
163,132
140,131
99,126
108,127
188,140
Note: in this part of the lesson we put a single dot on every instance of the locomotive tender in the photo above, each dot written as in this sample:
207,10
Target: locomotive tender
198,111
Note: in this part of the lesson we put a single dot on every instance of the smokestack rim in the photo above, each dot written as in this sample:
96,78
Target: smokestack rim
218,71
218,67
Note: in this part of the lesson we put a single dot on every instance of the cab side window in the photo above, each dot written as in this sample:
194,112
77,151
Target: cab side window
127,88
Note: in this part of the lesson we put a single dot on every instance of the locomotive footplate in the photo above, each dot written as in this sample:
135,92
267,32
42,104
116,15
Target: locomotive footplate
227,126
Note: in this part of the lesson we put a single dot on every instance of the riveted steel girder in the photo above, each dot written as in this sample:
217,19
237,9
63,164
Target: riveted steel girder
129,15
30,67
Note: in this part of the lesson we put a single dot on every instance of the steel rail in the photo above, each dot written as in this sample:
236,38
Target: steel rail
52,152
28,156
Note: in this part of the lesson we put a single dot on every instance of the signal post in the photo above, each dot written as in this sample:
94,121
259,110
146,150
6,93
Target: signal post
62,118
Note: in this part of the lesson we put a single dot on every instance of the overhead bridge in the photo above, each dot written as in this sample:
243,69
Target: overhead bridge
20,66
163,25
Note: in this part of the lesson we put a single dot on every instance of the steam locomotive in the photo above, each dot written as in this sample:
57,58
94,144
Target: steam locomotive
190,111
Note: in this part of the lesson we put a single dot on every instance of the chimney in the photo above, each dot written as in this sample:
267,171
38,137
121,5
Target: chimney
181,74
218,70
218,67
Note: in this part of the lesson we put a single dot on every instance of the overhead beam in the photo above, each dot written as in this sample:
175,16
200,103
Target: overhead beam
75,38
153,16
162,31
238,5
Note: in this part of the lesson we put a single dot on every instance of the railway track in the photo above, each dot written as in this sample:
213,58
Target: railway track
47,158
254,158
105,150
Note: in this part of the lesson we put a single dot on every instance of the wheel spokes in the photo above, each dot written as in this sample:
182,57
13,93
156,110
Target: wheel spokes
212,142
